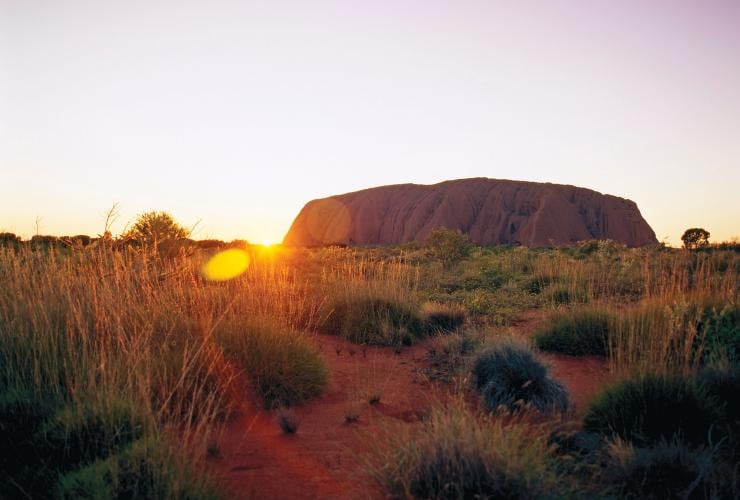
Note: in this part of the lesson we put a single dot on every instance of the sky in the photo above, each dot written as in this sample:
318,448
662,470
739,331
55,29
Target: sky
234,114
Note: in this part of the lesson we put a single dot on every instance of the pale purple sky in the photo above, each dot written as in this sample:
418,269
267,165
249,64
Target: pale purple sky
238,112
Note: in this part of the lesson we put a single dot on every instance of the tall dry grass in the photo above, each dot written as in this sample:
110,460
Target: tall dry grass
95,327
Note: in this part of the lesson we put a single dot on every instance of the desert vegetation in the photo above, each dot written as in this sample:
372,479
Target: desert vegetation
120,362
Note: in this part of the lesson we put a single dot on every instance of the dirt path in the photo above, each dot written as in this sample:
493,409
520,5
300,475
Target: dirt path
322,460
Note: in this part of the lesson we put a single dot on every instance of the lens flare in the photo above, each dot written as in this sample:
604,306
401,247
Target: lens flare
226,265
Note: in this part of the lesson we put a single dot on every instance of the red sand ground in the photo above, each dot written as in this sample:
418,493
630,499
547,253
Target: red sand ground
323,459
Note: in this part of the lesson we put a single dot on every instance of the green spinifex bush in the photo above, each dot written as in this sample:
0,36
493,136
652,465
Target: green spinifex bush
146,469
667,470
579,332
508,373
23,459
88,431
374,320
281,365
647,409
439,317
460,454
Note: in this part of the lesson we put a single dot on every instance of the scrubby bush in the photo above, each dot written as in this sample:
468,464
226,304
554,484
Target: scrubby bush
649,408
491,279
147,469
508,373
82,433
668,470
23,469
154,227
723,384
562,295
280,364
458,454
373,320
537,284
579,332
439,317
449,246
449,354
288,420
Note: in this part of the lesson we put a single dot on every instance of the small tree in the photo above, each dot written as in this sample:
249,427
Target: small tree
449,245
695,237
155,227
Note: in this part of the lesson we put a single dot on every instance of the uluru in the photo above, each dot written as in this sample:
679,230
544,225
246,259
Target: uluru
489,211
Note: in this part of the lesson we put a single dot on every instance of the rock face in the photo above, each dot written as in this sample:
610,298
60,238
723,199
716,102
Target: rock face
490,211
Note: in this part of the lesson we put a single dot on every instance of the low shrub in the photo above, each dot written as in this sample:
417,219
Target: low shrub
374,320
458,454
281,365
147,469
448,245
723,384
667,470
577,333
649,408
439,317
508,374
561,295
450,354
23,469
537,284
288,420
82,433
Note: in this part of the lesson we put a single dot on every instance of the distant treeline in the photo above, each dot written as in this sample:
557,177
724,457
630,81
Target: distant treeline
8,239
83,240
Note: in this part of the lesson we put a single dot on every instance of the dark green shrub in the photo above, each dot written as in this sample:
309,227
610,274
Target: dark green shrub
668,470
508,372
577,333
723,384
537,284
86,432
491,279
563,295
147,469
450,354
374,321
438,317
649,408
23,458
280,364
449,246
